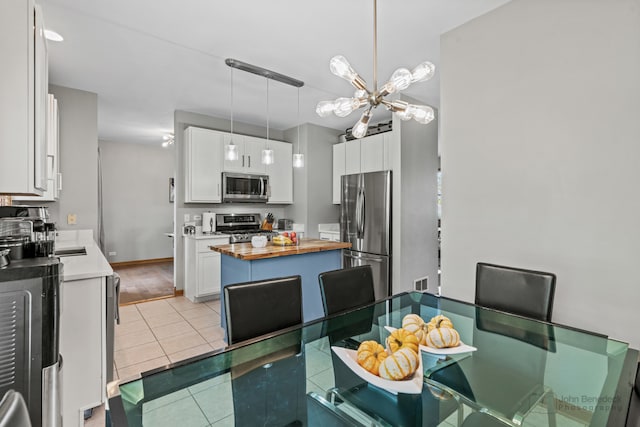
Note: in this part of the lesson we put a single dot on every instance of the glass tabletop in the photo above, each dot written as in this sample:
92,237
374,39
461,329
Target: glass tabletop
520,369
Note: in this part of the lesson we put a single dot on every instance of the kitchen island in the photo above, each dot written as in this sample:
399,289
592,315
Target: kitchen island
241,262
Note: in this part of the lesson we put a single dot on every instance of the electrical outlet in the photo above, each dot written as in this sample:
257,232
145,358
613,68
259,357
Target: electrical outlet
72,219
113,253
187,217
421,284
197,217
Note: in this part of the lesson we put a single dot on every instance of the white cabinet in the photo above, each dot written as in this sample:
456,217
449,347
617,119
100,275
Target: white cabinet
368,154
23,86
54,176
202,267
281,173
249,154
338,170
82,346
203,168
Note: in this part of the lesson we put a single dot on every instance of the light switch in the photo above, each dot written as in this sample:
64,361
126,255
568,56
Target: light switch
71,219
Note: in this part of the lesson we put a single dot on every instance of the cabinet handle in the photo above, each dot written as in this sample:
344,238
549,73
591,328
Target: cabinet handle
218,189
59,181
243,160
249,160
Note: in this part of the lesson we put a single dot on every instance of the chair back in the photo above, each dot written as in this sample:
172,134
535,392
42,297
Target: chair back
346,289
261,307
514,290
13,410
633,417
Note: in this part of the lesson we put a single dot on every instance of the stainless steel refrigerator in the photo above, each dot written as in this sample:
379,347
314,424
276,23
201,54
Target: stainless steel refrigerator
365,222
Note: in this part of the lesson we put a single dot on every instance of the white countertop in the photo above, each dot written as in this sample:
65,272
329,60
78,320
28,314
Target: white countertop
79,267
199,235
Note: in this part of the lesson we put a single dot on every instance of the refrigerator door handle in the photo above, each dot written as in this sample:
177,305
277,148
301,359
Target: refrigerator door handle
357,218
368,258
363,213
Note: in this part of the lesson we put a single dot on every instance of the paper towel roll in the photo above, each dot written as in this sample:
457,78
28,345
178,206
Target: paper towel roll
208,222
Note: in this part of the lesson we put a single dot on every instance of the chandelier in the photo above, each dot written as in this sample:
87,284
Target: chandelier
401,79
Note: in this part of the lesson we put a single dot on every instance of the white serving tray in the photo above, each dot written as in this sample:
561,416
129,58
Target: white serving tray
461,348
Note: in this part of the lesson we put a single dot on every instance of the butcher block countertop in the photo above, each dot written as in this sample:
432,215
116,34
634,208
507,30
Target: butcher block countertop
245,251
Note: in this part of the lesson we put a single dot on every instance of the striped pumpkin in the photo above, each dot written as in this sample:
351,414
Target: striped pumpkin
400,365
439,321
370,355
401,338
416,325
443,338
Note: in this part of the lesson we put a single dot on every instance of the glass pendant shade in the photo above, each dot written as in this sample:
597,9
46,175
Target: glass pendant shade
267,157
231,151
298,160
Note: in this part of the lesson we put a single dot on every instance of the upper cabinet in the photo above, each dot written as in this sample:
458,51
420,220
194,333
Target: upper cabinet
363,155
23,104
203,165
205,162
54,175
281,173
249,154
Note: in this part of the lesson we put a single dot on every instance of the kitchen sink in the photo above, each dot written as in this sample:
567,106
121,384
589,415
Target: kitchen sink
71,251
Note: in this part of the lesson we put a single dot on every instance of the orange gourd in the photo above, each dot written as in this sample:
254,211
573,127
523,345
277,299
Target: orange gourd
370,355
401,338
399,365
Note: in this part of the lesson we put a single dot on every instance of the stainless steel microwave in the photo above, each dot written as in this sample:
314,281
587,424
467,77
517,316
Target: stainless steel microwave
242,187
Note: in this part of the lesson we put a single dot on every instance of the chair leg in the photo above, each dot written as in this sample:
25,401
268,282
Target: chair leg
551,408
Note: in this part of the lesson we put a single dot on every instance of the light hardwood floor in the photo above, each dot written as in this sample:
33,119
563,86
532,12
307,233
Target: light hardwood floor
145,281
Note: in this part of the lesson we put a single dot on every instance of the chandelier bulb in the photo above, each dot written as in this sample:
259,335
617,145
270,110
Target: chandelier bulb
325,108
360,129
421,113
345,106
341,68
422,72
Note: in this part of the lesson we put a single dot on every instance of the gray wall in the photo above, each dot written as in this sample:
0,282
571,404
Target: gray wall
312,184
540,131
135,194
78,111
182,120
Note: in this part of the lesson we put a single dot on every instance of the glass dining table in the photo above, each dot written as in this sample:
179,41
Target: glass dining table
513,369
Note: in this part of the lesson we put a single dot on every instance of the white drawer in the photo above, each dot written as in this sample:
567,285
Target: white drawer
203,245
335,237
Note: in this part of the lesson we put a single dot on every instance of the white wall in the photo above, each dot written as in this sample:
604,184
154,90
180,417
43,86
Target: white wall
135,194
540,146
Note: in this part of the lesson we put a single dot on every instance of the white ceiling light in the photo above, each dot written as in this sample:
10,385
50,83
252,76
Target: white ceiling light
267,153
231,149
370,99
53,36
298,158
168,140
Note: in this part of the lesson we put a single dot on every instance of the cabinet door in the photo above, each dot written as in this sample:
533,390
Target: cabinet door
352,157
237,165
253,154
372,153
208,273
281,173
203,165
41,101
338,170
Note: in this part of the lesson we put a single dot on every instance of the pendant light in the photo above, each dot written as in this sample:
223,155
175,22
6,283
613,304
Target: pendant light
267,153
363,97
231,149
298,158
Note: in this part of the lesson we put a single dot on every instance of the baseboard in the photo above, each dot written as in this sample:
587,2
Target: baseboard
178,292
140,262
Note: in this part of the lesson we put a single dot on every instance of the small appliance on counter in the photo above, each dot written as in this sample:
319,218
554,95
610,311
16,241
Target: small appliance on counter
285,224
26,231
208,222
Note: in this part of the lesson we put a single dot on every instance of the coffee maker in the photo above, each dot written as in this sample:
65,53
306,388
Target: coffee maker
26,231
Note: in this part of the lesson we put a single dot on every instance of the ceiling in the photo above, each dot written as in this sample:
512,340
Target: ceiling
147,58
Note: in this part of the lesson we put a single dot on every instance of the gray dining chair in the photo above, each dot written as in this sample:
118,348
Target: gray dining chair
13,410
260,395
528,293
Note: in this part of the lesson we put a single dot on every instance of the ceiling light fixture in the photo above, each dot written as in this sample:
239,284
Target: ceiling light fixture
231,149
401,79
267,153
53,36
168,140
298,158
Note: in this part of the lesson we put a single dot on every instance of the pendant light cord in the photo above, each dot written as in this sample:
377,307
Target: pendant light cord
375,46
298,120
267,113
231,104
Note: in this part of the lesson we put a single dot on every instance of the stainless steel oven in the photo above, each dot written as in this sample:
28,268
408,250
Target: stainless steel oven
241,187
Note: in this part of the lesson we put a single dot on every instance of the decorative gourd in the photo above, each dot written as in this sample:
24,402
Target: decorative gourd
370,355
443,338
439,321
401,338
399,365
416,325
